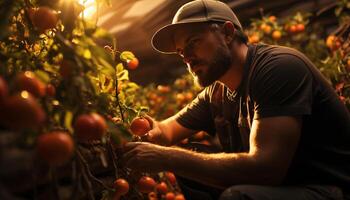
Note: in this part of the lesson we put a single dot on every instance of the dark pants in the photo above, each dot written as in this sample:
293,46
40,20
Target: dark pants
256,192
195,191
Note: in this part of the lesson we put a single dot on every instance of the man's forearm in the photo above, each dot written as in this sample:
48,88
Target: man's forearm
219,170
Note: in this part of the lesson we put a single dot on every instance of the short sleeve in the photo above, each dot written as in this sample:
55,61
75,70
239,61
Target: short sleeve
282,87
197,115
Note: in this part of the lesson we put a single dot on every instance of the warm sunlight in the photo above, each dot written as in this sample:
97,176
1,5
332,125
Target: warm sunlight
90,8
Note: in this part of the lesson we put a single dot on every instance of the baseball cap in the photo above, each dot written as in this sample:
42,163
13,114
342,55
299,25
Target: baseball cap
196,11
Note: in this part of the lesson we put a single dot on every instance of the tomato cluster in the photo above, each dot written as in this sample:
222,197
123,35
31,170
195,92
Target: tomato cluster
163,188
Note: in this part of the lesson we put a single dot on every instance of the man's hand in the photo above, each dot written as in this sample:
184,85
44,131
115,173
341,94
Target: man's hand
167,132
156,134
144,156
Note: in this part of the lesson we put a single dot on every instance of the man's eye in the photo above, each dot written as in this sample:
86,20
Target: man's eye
191,44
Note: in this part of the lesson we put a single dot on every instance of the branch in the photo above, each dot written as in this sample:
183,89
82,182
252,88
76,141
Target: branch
326,8
88,183
114,157
86,165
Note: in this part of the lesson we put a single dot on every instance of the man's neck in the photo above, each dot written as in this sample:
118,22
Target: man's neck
233,77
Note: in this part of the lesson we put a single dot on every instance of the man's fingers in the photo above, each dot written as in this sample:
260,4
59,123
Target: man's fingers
148,137
145,137
127,156
150,120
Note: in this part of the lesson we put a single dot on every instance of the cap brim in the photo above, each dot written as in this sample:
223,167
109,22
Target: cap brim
163,39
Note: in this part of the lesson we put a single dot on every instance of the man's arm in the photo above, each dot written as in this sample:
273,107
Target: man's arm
273,142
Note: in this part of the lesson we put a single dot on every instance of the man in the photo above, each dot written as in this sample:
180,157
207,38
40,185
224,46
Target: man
284,132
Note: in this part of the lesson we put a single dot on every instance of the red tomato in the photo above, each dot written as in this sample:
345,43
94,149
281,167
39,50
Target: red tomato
199,136
56,147
170,196
179,197
152,196
28,81
140,126
300,27
272,18
276,35
121,186
293,29
44,18
50,90
163,88
90,127
133,64
3,90
146,184
162,188
21,111
171,177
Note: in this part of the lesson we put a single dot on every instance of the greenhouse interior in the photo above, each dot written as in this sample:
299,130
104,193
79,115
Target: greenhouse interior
174,100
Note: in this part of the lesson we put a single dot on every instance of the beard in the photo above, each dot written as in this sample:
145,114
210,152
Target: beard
219,65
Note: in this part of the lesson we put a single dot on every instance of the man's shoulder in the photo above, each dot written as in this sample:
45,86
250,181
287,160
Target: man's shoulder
276,49
274,56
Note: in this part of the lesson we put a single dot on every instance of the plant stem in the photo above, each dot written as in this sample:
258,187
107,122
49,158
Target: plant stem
86,165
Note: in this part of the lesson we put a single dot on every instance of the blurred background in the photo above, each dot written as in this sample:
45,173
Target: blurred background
133,23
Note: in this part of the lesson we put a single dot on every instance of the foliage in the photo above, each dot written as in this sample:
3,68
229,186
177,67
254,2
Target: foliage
80,82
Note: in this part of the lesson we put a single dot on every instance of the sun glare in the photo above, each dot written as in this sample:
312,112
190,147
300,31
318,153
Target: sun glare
90,8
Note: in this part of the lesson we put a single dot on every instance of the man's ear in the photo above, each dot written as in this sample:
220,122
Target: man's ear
228,31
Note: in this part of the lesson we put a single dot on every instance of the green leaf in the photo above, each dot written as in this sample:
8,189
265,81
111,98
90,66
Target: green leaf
133,86
126,55
120,67
144,109
68,118
108,69
87,54
42,75
123,75
103,34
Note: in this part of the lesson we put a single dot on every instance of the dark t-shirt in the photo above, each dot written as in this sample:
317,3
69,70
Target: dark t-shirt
280,81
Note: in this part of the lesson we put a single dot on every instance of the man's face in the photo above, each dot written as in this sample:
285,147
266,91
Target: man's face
205,52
